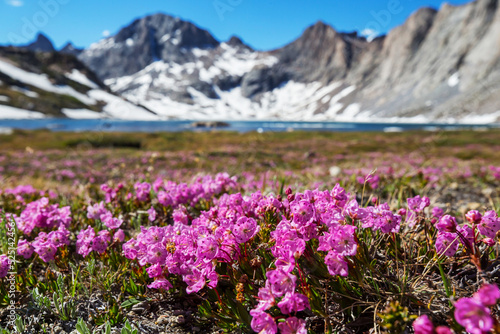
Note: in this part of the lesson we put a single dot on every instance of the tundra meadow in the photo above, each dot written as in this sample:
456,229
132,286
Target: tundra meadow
259,232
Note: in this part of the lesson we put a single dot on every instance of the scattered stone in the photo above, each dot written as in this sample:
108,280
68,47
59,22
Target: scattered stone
487,191
334,171
180,320
57,330
163,320
474,206
140,307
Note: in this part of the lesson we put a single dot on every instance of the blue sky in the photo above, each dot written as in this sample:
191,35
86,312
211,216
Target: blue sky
264,24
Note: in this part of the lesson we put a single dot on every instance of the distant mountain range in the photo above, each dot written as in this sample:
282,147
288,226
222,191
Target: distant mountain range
438,66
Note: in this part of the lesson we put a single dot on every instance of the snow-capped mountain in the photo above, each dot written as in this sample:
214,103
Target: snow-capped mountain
70,49
440,65
40,84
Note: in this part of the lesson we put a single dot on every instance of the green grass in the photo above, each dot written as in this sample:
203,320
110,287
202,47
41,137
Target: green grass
447,143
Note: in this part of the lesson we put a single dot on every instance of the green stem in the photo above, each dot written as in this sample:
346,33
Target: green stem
446,283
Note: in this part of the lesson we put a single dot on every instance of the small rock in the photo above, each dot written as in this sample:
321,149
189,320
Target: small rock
487,191
138,310
181,320
144,305
309,155
196,329
57,330
178,312
162,320
334,171
474,206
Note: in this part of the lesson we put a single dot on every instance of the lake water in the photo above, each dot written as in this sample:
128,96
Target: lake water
237,126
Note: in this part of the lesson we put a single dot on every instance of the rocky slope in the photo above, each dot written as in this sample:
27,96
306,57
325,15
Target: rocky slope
40,84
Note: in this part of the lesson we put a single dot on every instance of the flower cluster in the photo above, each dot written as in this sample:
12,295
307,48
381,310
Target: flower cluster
173,194
190,250
292,244
473,314
43,215
416,207
110,193
20,191
99,211
45,244
88,241
4,265
46,217
450,233
423,325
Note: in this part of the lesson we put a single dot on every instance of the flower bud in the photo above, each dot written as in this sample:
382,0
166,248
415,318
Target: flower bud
473,216
447,223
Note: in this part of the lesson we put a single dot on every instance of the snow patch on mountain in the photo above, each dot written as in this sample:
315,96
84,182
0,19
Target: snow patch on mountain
119,108
41,81
292,100
107,43
7,112
350,112
82,114
79,77
454,79
481,119
236,62
113,106
25,91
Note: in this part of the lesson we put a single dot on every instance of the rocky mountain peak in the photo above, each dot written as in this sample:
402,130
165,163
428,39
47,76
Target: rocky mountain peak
321,53
402,42
69,48
236,42
320,30
41,44
144,41
165,28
